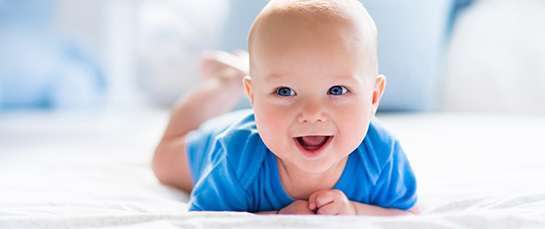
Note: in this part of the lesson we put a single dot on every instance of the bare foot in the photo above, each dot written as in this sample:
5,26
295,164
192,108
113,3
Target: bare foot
213,62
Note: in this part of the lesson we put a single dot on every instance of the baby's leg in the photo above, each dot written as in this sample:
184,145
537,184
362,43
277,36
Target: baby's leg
217,94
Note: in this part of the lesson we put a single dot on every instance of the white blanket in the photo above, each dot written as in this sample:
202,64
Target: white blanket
81,170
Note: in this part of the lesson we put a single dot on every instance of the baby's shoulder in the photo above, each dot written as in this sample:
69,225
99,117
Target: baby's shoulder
378,147
378,134
243,149
240,137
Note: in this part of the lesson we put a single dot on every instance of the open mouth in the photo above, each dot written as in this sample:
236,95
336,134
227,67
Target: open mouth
312,143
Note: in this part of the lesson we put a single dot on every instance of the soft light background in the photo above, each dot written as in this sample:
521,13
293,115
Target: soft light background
96,54
453,55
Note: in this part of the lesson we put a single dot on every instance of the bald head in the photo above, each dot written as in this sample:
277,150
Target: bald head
344,21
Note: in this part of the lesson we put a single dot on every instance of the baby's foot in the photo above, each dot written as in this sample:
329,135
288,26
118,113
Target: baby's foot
226,68
214,62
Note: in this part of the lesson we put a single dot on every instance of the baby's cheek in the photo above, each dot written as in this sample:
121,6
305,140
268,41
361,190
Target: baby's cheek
354,129
270,127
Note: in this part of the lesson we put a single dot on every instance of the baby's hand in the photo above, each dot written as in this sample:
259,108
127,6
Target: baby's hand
331,202
298,207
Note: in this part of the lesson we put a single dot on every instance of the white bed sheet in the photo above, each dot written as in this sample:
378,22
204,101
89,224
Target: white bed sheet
92,169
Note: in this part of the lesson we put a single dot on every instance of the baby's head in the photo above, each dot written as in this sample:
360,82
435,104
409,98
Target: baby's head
314,82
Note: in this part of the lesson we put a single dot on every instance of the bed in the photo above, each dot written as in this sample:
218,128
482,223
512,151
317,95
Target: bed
91,168
62,169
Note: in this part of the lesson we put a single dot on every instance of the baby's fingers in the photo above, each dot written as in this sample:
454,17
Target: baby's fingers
329,209
320,198
337,208
312,201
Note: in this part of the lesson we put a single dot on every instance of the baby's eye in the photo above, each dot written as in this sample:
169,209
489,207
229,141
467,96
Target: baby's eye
337,90
285,91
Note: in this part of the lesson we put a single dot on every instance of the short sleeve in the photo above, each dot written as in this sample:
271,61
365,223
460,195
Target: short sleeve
201,142
218,190
396,184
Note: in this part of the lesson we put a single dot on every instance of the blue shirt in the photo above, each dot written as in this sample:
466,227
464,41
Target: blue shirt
235,171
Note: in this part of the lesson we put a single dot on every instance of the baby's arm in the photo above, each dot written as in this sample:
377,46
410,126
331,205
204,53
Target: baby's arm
298,207
216,95
335,202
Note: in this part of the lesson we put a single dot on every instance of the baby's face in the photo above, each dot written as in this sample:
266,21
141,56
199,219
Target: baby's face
312,92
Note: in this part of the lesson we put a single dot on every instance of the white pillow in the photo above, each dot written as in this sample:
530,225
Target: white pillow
496,61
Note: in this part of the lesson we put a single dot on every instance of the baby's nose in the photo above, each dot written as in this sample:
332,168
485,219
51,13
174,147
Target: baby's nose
312,112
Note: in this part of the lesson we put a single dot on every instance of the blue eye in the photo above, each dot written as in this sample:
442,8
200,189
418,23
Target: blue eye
337,90
285,91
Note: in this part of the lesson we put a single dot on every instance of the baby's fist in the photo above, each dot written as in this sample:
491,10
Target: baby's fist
298,207
331,202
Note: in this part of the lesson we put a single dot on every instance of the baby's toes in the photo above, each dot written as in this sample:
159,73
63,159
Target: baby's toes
210,64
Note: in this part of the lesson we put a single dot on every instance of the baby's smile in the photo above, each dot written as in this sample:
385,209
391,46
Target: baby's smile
313,145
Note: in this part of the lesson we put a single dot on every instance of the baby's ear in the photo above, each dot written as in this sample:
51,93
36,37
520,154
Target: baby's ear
380,83
248,86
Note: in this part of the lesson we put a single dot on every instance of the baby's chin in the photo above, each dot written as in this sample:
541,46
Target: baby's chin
317,168
312,167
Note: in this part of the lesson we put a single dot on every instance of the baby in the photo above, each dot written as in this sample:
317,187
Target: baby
311,144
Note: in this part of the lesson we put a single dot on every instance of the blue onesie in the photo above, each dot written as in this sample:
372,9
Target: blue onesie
234,171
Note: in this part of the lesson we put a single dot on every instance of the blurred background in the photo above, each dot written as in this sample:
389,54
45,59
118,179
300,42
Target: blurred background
440,55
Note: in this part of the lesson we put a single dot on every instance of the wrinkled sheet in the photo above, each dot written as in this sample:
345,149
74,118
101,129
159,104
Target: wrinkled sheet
92,169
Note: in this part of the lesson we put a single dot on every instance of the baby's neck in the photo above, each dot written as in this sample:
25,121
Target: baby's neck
300,185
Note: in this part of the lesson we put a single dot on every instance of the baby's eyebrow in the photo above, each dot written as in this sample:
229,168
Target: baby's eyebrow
341,79
275,77
350,77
